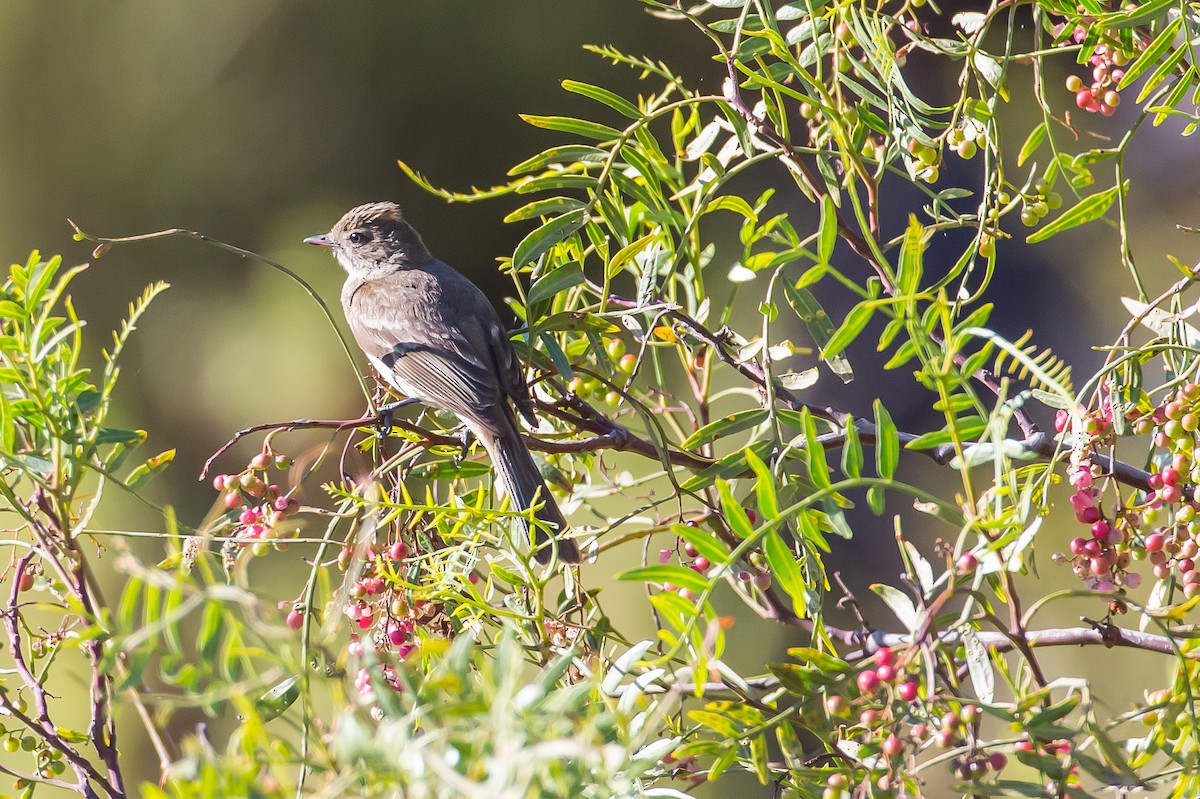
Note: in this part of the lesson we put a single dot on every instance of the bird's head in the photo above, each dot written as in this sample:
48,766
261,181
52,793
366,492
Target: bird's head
372,240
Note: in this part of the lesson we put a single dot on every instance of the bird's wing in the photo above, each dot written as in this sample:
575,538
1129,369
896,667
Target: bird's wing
437,363
509,371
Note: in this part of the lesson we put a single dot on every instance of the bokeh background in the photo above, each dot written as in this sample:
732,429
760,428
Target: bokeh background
260,121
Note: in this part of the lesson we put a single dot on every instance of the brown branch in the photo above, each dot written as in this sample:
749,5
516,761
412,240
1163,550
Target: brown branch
40,722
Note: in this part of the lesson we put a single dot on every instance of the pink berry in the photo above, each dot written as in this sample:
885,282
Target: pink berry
701,564
884,657
1084,98
295,619
218,482
1077,545
967,563
907,691
997,761
233,499
1100,530
868,681
398,551
689,549
886,672
892,746
1154,542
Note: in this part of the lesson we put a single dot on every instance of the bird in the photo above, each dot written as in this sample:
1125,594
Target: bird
433,336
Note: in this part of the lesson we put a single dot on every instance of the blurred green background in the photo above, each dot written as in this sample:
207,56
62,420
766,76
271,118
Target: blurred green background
261,122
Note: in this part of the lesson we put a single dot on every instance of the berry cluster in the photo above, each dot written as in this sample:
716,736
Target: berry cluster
50,762
1100,95
1161,524
895,721
623,365
262,511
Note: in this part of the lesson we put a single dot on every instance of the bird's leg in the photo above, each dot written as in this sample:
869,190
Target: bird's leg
464,435
385,415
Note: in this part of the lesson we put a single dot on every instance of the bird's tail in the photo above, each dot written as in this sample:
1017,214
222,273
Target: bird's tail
519,475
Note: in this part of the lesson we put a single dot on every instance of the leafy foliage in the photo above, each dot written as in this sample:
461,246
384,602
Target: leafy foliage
657,297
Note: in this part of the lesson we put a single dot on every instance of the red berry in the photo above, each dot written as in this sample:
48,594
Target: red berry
884,657
1170,476
997,761
892,746
689,549
218,482
1154,542
398,551
886,673
1100,530
868,681
1077,545
907,691
1084,98
1155,481
967,563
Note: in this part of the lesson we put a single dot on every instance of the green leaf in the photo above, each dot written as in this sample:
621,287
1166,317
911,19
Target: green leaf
546,236
113,435
818,467
613,101
827,232
1032,142
819,327
208,638
912,252
151,467
901,604
627,253
735,512
563,154
722,725
785,569
666,573
983,677
561,363
577,127
1086,210
278,699
545,207
1149,57
704,542
887,443
554,282
821,661
731,202
764,484
852,325
852,454
727,425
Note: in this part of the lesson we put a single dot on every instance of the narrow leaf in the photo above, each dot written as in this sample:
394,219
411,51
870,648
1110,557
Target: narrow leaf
556,281
546,236
1086,210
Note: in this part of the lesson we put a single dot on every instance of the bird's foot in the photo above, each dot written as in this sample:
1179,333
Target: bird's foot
464,436
386,413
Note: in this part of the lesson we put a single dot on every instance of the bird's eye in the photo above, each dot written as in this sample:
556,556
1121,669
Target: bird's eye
356,237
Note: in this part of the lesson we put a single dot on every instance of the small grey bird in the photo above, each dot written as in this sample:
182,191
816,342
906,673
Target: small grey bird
433,336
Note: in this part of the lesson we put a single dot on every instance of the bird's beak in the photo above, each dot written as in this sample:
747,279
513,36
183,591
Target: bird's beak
321,240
